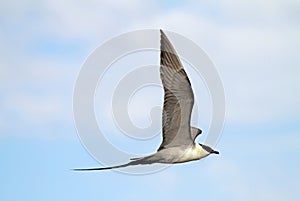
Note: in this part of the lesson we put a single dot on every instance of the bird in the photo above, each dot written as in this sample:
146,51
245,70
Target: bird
178,144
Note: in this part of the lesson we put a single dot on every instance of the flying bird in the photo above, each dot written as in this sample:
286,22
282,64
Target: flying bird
178,145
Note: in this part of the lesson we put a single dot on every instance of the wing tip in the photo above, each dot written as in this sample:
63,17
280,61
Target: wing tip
163,40
165,44
162,35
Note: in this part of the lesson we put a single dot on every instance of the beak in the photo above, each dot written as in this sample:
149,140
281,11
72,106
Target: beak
214,152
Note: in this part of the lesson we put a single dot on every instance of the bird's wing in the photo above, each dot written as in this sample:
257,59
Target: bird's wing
178,97
195,132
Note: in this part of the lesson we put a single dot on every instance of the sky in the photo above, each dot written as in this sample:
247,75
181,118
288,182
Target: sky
254,46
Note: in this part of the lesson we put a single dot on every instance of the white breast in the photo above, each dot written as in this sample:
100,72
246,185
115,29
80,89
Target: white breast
195,152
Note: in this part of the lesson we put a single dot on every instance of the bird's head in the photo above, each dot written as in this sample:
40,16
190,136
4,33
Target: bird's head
208,149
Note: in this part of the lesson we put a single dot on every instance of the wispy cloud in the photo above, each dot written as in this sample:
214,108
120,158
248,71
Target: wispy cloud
253,44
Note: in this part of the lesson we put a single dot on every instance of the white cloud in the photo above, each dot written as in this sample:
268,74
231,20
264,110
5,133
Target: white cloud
257,59
254,44
264,65
37,109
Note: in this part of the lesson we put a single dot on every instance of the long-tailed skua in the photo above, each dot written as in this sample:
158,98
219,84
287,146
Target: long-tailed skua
178,145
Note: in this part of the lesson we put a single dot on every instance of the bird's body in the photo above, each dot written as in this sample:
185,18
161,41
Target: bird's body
179,154
194,152
178,145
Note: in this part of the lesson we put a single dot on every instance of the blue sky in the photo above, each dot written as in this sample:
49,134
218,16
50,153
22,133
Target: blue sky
255,46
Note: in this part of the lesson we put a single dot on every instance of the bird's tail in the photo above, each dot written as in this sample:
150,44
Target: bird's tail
137,161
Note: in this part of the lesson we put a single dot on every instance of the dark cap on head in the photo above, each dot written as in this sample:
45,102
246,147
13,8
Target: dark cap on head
208,149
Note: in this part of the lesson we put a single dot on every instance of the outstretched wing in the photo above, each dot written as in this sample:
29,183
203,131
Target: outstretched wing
178,97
